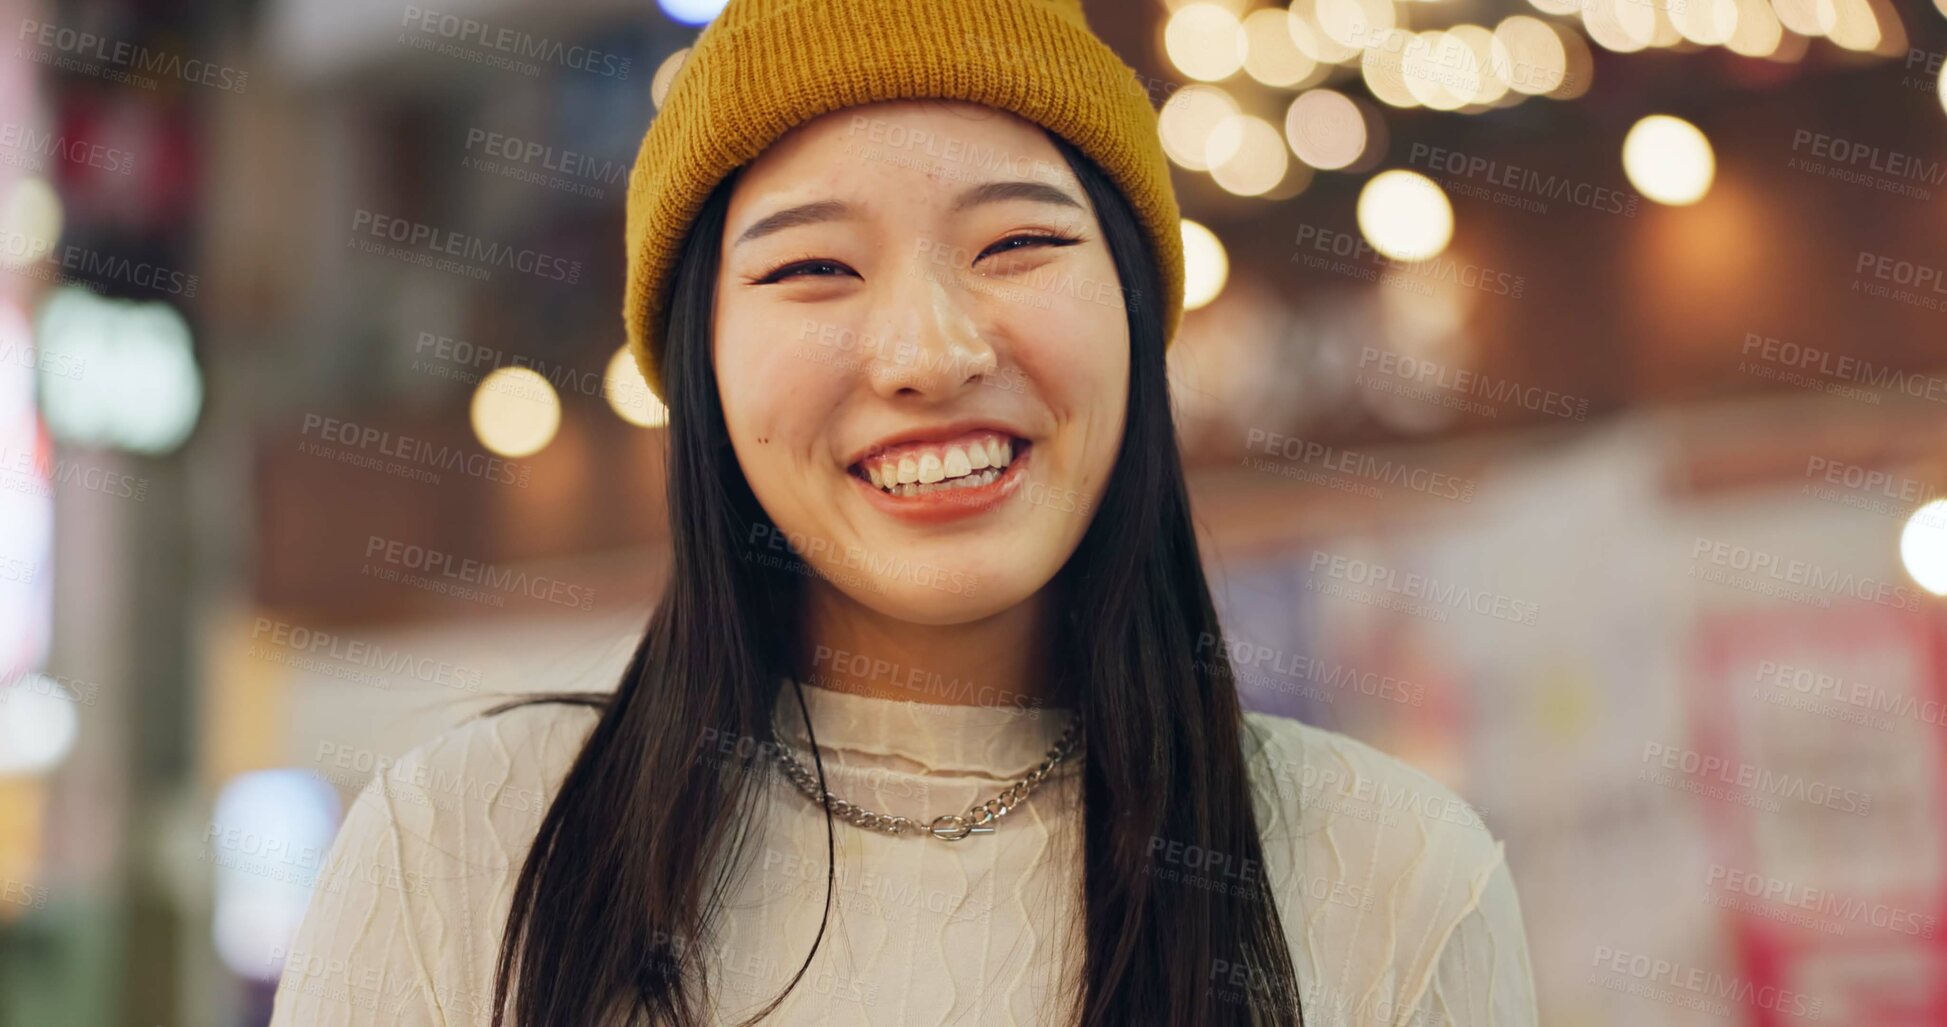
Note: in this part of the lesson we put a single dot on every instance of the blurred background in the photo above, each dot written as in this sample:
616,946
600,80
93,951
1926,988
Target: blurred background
1562,391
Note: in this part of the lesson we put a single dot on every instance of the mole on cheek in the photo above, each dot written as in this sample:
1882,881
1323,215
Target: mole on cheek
762,441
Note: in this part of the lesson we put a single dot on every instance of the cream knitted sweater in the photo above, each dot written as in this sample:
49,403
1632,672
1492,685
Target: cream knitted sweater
1395,898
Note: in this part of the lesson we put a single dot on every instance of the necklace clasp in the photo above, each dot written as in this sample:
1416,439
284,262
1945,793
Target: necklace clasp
952,827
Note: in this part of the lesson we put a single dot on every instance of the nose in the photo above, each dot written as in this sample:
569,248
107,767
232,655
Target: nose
936,349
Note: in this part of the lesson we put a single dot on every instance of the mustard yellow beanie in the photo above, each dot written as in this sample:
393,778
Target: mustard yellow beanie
764,66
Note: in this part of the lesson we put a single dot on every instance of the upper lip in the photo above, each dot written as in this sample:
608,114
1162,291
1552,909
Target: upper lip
933,433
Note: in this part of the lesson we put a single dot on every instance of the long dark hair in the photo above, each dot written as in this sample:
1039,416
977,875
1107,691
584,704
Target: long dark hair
638,849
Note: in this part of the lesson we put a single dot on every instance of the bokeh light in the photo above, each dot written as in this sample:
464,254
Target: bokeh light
1355,23
1206,267
1669,160
665,74
1579,74
1475,45
1405,215
267,827
1849,23
1246,155
137,386
1205,42
1923,546
1706,22
1624,26
692,12
1663,30
38,724
628,395
1758,31
515,411
1530,53
1325,129
1313,40
1384,69
1272,55
1801,16
1438,72
1187,121
30,222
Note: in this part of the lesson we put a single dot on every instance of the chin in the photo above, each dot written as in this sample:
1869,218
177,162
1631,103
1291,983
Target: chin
919,604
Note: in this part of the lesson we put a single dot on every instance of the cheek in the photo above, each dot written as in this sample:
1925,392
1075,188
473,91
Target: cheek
774,390
1075,351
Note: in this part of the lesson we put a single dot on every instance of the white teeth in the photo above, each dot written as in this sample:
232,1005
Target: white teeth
968,482
958,466
931,469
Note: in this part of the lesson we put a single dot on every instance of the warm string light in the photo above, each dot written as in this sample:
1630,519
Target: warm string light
515,411
1405,215
628,394
1272,54
1205,265
1464,68
665,74
1923,546
1205,41
1669,160
1326,129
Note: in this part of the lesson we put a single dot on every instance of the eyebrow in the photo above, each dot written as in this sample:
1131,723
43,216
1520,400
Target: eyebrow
792,217
997,192
838,210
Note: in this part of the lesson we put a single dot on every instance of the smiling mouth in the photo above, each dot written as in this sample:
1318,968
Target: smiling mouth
920,470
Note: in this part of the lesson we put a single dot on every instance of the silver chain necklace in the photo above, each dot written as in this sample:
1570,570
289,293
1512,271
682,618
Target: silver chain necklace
948,827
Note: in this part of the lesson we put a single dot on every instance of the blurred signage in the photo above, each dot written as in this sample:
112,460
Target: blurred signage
1817,755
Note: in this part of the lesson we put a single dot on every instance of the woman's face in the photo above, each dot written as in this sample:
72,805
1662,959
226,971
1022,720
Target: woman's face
919,292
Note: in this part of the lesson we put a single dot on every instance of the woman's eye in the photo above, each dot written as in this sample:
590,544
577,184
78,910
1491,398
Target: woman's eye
1019,242
807,269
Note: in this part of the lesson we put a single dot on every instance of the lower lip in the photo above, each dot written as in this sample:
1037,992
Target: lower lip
950,504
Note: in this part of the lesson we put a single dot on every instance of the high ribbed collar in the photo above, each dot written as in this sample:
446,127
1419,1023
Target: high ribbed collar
1003,741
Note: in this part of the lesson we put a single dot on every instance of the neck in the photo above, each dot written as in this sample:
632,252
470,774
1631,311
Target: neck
1001,660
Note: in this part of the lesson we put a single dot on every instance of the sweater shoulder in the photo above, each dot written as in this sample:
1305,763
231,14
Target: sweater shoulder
1374,863
417,883
1337,808
476,792
525,744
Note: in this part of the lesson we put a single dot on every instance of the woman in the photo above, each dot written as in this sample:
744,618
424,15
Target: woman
933,722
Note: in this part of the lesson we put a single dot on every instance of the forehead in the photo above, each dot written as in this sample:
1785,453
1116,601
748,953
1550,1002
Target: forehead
951,142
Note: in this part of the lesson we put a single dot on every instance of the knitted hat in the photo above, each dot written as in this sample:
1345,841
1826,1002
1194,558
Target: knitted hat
764,66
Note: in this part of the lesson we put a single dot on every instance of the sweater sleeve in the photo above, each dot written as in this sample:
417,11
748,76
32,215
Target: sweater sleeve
1396,897
358,958
1483,977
